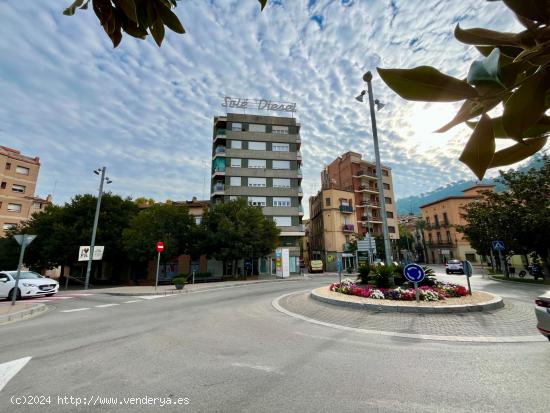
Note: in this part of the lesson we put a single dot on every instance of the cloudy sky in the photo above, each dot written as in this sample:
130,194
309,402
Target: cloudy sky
146,113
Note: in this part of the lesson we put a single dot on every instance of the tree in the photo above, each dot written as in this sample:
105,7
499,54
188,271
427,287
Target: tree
514,71
169,223
519,216
236,230
144,202
138,18
9,253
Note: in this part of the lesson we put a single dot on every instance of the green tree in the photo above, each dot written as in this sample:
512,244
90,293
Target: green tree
169,223
513,71
236,230
9,253
138,18
519,216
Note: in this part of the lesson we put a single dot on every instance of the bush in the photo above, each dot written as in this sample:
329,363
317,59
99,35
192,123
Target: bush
180,279
382,276
364,271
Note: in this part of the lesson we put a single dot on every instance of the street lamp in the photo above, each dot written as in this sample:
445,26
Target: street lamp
96,219
367,77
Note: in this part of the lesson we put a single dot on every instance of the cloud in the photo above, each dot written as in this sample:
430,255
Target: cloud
146,113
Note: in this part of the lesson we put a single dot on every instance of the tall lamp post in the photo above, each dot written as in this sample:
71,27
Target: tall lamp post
96,219
367,77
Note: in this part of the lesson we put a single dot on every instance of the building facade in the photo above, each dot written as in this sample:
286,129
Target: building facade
332,227
18,176
258,158
441,239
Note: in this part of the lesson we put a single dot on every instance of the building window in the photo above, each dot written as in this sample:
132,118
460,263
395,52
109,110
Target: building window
428,220
436,220
257,201
281,183
233,197
280,147
389,214
279,130
257,163
7,227
327,201
449,239
35,205
387,200
281,164
257,182
8,166
253,127
386,186
236,162
385,172
282,202
18,188
430,237
198,219
14,207
236,145
3,185
283,221
236,127
235,181
22,170
438,235
256,146
445,218
391,229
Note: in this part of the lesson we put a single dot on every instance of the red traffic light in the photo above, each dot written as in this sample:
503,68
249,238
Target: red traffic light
160,246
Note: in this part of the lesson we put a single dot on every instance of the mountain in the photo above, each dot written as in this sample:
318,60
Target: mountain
411,204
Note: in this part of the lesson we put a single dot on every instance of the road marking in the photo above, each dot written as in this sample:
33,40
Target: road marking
131,301
105,305
255,367
76,309
10,369
150,297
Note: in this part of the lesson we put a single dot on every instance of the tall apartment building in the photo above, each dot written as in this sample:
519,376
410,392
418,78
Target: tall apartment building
18,176
258,158
349,172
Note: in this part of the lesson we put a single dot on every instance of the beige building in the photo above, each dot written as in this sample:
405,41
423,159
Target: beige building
441,238
332,227
18,176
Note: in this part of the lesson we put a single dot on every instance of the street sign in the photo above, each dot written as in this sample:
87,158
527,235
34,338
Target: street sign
498,245
414,273
160,246
84,253
28,238
467,265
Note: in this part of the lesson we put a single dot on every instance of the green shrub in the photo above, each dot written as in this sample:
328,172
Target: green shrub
364,271
180,279
206,274
383,274
349,270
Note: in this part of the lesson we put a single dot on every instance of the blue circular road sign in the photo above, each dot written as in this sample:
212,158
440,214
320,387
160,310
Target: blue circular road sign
414,273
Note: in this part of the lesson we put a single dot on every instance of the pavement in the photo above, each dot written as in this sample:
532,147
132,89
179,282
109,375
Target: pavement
229,350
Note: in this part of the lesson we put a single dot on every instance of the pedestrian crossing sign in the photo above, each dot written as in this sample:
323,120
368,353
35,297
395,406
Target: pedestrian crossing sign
498,245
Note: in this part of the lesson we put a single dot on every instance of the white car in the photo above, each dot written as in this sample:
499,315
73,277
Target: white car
31,284
542,310
453,266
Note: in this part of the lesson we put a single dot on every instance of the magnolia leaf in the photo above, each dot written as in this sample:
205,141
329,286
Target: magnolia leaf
129,9
262,4
535,10
542,127
486,70
526,105
485,37
169,18
509,52
518,152
157,30
69,11
480,149
469,109
426,83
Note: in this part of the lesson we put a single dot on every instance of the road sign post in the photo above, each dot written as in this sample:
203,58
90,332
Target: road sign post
468,270
23,240
414,273
339,265
160,248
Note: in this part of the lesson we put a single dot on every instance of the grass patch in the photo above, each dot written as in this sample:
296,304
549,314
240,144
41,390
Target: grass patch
519,280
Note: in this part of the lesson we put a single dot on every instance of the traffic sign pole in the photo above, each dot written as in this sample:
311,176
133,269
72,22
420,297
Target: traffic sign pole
416,293
24,240
157,277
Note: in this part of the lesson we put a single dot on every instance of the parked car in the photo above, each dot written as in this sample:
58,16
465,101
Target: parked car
454,266
315,266
31,284
535,270
542,310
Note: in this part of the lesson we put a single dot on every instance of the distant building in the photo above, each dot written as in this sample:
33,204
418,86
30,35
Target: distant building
441,238
411,225
332,227
18,176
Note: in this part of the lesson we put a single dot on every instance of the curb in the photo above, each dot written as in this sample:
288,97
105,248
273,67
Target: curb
184,291
492,304
21,314
515,282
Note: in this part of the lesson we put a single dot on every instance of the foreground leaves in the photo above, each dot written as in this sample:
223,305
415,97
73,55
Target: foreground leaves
480,149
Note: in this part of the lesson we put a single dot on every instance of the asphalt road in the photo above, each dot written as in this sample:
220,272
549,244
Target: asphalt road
230,351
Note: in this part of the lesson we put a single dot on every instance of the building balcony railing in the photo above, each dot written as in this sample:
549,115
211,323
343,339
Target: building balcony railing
346,209
346,246
440,243
366,173
218,188
220,150
298,156
301,210
300,173
371,219
348,228
300,191
220,131
371,188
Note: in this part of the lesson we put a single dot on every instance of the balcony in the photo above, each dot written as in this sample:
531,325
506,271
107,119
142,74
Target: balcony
362,173
375,219
219,151
219,171
365,188
298,156
300,191
348,228
346,209
300,173
218,189
301,210
220,132
346,246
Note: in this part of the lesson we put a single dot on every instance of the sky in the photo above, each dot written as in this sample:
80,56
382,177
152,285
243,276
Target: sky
146,113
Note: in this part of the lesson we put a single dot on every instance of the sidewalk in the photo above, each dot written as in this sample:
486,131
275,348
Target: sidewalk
170,289
19,310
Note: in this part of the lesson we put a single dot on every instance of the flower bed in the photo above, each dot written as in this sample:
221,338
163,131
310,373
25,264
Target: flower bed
439,291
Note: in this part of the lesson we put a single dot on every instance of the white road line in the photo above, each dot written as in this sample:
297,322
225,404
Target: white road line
105,305
131,301
75,309
267,369
10,369
150,297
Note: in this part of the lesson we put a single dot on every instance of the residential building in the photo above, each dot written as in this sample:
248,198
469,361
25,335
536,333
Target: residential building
18,176
441,238
349,172
332,228
258,158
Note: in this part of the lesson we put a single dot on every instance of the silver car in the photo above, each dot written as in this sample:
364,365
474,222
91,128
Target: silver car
542,310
